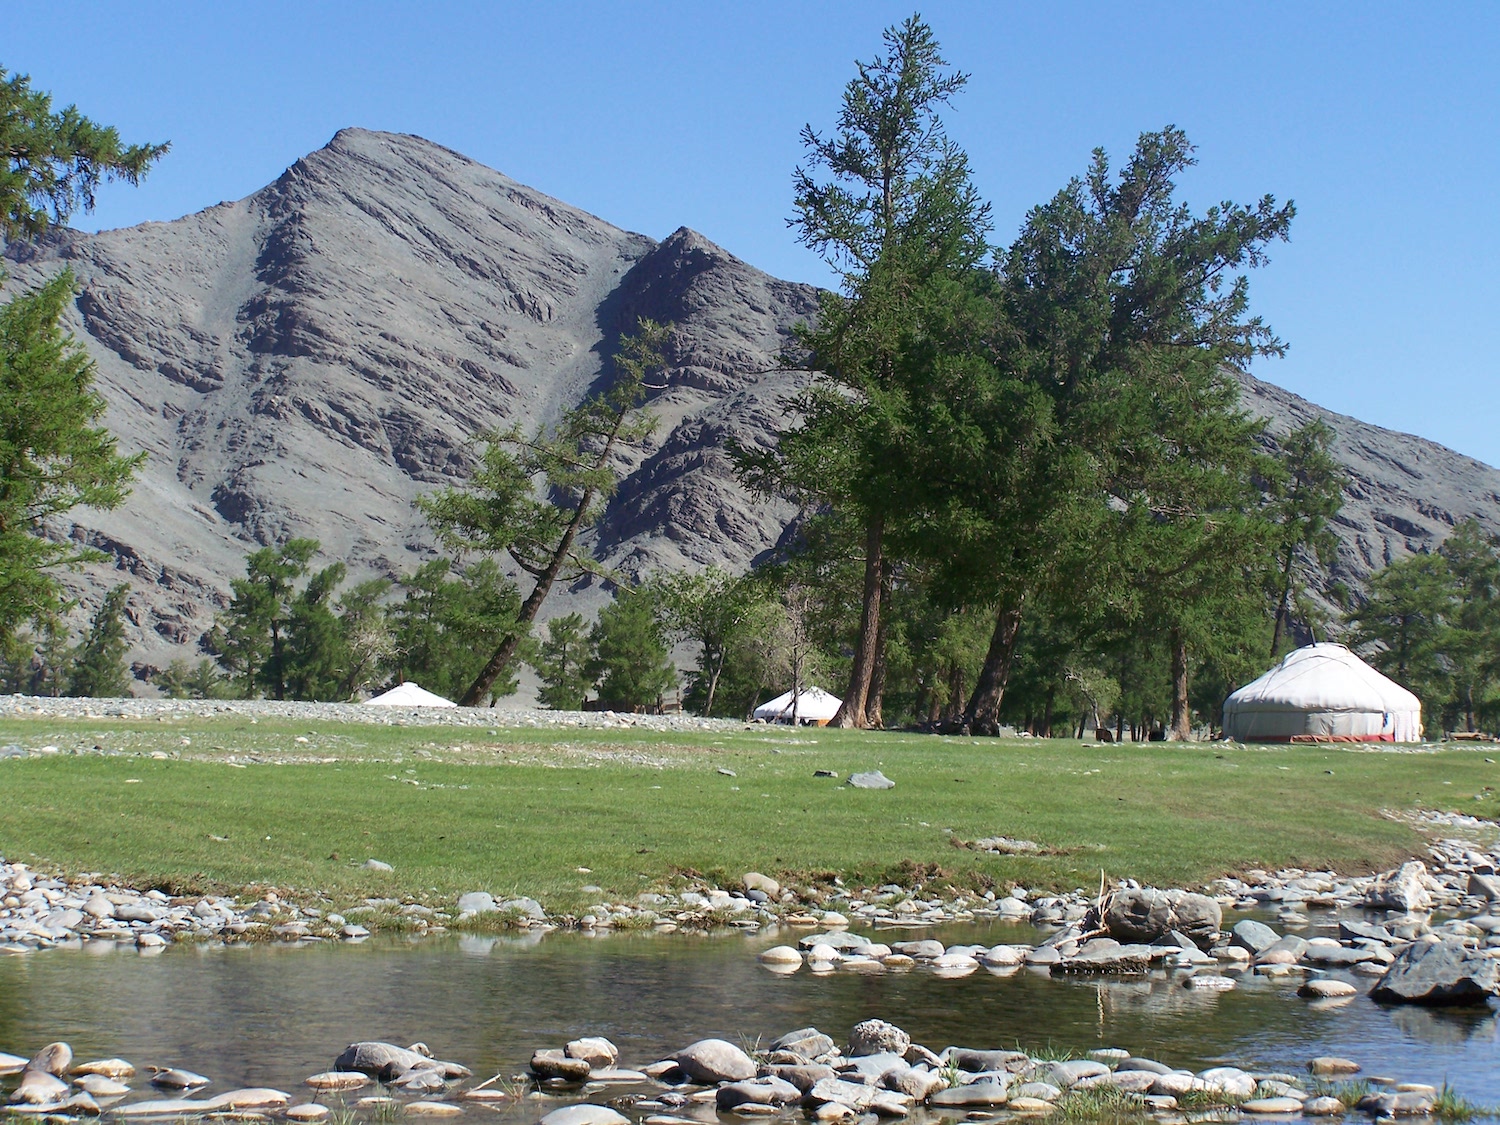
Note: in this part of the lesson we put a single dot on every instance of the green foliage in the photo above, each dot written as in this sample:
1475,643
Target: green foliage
630,661
442,627
181,680
1403,626
562,660
1472,642
313,650
53,457
886,200
36,663
98,666
365,641
56,159
250,637
1306,492
533,493
1432,623
716,611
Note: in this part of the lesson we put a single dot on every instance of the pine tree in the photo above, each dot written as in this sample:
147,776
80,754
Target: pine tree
894,208
1307,490
250,636
561,661
1472,643
56,159
98,664
1403,627
180,680
630,662
53,457
443,626
1112,291
502,511
314,655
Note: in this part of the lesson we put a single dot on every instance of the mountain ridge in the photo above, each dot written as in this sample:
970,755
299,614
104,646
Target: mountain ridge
309,359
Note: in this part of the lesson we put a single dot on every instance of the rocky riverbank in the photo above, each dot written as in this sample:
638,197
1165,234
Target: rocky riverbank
804,1074
39,910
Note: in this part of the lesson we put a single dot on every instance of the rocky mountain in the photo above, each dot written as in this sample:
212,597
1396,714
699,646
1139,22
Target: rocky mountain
308,360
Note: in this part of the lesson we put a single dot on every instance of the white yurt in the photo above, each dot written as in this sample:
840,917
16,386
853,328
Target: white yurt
1323,693
814,705
409,694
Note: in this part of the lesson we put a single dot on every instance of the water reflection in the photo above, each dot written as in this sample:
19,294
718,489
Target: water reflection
264,1015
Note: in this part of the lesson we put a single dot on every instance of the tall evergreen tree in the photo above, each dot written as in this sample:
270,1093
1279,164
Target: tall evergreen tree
1307,491
98,664
1472,643
630,662
441,629
314,655
1113,290
502,511
250,637
1402,628
562,661
887,201
53,455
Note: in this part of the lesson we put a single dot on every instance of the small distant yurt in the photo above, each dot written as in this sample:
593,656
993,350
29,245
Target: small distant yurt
814,706
1323,693
409,694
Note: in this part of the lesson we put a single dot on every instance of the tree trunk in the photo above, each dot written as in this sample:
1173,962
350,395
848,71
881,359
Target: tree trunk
713,685
278,689
851,712
1182,716
529,609
874,702
1284,605
982,716
1047,702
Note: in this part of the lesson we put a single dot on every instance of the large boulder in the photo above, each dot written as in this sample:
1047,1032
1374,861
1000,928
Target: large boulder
1145,915
711,1061
370,1057
874,1037
1439,973
1405,889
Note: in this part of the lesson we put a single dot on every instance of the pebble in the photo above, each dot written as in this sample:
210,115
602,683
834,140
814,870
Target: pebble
307,1111
1325,988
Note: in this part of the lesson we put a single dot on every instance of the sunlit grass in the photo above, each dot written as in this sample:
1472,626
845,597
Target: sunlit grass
544,813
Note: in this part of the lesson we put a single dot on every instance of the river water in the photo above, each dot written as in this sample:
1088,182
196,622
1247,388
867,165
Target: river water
264,1015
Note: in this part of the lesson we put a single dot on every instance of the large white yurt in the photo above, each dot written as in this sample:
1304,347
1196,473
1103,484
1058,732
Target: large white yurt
1323,693
814,705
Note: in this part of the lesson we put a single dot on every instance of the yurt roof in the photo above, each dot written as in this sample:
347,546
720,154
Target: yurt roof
813,703
409,694
1322,677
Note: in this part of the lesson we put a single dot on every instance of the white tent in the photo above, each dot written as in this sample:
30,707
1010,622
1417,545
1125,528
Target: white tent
1323,693
409,694
814,705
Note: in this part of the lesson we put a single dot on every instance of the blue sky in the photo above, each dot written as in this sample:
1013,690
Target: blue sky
1382,122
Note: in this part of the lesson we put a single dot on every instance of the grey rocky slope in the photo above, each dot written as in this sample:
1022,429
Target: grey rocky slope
309,359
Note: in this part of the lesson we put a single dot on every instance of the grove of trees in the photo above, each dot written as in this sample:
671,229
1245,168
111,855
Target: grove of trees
1029,491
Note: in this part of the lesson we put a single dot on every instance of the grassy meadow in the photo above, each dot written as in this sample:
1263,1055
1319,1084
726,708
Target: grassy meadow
203,805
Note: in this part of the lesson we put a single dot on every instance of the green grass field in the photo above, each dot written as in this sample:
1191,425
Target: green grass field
236,803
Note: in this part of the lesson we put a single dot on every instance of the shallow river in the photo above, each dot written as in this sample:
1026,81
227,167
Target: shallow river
258,1015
